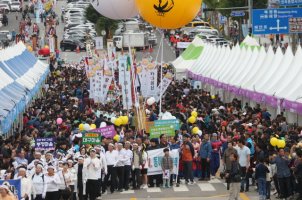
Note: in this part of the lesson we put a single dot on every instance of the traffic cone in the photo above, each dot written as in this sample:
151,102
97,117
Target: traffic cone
78,49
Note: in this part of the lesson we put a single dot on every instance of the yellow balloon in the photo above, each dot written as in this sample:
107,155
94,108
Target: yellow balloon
168,14
195,130
192,119
281,144
124,119
29,48
81,127
116,138
93,126
194,113
274,141
118,122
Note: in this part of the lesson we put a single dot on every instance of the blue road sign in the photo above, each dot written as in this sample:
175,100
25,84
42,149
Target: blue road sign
237,13
277,21
222,19
290,2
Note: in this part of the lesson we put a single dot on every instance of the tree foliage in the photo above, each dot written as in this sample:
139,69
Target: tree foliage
101,22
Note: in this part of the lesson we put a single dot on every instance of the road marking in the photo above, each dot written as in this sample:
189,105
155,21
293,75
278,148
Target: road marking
243,196
225,184
128,192
153,190
181,188
133,198
206,187
215,180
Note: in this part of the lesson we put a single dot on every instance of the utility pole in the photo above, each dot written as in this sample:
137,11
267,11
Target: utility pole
250,5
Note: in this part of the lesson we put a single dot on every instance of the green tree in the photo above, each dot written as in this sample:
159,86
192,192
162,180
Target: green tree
101,22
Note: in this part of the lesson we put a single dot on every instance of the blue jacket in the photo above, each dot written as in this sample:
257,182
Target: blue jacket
283,170
205,149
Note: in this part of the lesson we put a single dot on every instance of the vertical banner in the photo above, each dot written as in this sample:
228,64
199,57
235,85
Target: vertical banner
99,43
152,82
107,79
163,86
122,67
51,42
125,81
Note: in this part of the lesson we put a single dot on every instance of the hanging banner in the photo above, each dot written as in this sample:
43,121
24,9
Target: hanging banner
99,43
51,42
155,159
14,186
107,79
143,77
44,144
125,81
97,86
152,82
122,66
163,86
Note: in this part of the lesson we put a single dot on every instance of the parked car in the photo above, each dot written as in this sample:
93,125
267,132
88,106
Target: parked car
7,34
5,8
67,44
4,41
15,6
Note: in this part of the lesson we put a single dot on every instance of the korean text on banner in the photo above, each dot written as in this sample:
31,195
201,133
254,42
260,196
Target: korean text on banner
155,158
107,132
152,86
14,186
44,144
91,138
149,125
156,131
170,122
163,86
126,84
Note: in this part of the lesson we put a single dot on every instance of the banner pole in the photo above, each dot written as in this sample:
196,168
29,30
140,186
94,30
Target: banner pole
161,71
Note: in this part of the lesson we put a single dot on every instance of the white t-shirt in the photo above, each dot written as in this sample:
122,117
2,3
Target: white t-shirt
243,154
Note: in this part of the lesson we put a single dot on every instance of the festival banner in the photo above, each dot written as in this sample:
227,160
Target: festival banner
148,126
125,81
163,86
151,82
105,85
97,88
107,132
14,186
44,144
155,158
99,43
91,138
170,122
156,131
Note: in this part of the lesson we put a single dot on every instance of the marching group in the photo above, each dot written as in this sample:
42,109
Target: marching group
233,142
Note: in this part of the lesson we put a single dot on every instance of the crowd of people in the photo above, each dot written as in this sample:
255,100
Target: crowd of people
233,144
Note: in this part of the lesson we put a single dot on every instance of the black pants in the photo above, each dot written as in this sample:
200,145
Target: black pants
120,176
276,183
80,191
205,168
245,179
127,172
285,184
112,174
136,178
299,186
100,187
38,197
268,189
92,189
157,179
52,195
188,171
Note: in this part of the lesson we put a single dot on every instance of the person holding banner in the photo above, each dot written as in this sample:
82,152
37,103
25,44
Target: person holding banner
167,167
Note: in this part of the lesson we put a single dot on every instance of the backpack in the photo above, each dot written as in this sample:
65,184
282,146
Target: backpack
34,176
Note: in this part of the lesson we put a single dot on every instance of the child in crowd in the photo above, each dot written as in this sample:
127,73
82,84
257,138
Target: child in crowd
167,167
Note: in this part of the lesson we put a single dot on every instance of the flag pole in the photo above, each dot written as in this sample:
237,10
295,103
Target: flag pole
161,71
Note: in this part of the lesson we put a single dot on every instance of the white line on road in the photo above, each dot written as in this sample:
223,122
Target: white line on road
206,187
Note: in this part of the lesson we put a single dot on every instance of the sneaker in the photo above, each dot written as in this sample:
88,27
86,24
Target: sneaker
213,177
145,187
177,184
191,183
99,198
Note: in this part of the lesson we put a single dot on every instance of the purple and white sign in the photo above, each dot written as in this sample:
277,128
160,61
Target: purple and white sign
44,144
107,132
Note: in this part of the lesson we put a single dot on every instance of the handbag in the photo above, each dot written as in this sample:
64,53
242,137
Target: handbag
66,193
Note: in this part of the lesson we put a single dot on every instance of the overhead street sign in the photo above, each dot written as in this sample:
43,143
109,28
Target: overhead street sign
237,13
290,2
277,21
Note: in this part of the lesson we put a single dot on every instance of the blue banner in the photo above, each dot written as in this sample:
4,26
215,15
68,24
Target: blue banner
44,144
290,2
14,186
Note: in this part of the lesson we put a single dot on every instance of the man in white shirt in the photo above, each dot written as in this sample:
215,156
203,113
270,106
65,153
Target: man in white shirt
102,158
25,183
127,163
244,162
122,158
111,160
92,166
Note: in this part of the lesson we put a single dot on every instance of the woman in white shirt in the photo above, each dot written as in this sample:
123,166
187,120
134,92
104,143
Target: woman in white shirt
72,171
66,178
38,183
26,185
52,180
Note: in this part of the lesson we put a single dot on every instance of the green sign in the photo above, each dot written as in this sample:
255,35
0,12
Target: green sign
170,122
156,131
92,138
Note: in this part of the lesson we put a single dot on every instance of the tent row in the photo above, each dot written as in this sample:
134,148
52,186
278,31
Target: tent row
248,72
22,75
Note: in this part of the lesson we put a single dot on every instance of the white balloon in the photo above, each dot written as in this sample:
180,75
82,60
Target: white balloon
113,119
103,124
151,101
116,9
87,127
